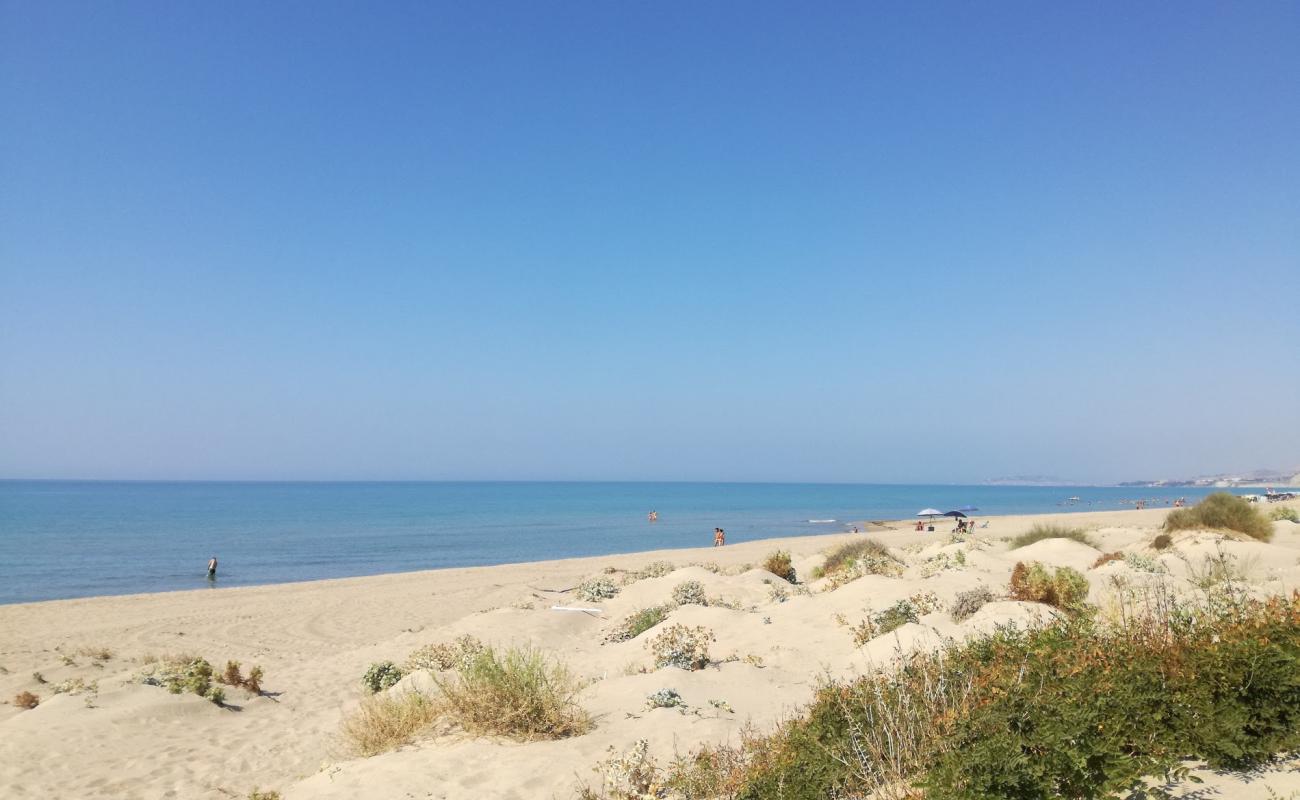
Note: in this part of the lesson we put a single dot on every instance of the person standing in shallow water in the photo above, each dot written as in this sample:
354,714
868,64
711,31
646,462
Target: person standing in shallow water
212,568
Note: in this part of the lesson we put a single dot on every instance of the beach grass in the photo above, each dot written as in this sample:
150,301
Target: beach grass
385,722
517,692
846,554
1043,531
1223,512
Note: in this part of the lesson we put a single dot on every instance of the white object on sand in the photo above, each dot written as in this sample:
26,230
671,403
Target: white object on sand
583,610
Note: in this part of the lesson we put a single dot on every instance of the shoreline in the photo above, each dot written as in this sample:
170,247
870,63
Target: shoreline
868,528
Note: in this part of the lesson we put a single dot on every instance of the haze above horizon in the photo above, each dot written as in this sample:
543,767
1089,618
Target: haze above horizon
849,243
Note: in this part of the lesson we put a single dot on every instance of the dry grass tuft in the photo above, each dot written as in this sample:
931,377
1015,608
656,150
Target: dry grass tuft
27,700
233,677
1040,532
518,693
387,721
1106,558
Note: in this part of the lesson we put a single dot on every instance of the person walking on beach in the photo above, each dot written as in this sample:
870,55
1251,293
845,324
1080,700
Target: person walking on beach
719,537
212,568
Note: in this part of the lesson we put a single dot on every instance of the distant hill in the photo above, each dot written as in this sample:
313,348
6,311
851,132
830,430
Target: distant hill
1254,478
1029,480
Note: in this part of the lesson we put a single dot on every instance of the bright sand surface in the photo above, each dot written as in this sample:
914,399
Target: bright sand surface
315,640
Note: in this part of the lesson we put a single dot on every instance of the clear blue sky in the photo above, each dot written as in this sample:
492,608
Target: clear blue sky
749,241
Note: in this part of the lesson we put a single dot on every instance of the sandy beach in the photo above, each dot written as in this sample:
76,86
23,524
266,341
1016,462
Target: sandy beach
109,736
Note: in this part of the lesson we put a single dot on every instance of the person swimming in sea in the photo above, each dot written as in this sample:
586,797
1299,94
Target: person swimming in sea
212,568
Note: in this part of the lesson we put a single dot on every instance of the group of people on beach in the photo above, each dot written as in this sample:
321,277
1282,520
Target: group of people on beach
719,535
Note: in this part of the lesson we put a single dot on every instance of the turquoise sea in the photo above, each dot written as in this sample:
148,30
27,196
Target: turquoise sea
61,539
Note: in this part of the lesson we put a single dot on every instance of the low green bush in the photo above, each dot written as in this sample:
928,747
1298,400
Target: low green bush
682,647
779,564
1222,511
665,698
1072,710
638,623
1064,588
1285,513
689,593
182,674
596,589
1040,532
381,676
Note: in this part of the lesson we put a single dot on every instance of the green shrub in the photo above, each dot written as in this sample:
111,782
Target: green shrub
1065,588
1221,511
665,698
258,794
894,617
682,647
779,564
638,623
182,674
1145,563
596,589
1285,513
1040,532
1072,710
689,593
381,676
518,693
1162,542
968,602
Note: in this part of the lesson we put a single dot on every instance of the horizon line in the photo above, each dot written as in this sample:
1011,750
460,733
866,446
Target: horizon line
988,482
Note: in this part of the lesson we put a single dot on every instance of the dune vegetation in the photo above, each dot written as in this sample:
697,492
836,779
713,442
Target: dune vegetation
1222,512
1076,709
1042,531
